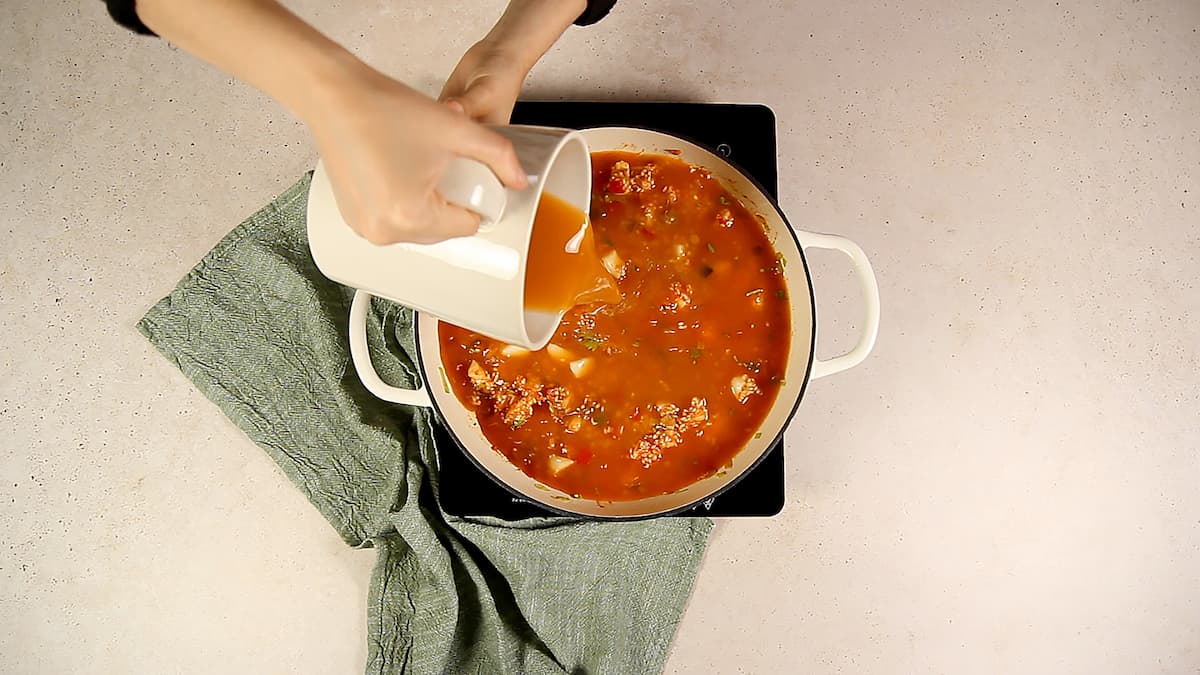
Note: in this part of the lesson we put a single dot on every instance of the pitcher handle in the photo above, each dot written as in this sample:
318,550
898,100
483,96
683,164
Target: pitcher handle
472,185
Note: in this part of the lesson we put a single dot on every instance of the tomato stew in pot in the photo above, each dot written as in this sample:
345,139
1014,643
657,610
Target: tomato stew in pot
650,394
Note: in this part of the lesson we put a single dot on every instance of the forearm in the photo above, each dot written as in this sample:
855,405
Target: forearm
528,28
259,42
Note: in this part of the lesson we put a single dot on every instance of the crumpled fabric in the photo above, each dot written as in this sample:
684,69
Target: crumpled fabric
259,330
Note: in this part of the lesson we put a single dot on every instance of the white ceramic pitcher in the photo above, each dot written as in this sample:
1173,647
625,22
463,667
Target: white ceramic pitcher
477,282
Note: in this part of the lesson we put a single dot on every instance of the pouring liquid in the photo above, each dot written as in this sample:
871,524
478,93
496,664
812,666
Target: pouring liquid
563,269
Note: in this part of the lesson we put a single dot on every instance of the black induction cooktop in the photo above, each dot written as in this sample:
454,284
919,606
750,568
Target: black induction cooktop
742,134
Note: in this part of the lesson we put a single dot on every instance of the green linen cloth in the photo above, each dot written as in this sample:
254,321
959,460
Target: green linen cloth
259,330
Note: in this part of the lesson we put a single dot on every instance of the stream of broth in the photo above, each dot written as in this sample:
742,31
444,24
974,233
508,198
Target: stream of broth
564,269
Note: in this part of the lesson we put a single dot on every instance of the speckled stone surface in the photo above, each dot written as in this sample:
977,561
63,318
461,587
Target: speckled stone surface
1011,483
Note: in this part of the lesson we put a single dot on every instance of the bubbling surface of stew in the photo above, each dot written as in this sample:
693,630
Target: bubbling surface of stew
652,393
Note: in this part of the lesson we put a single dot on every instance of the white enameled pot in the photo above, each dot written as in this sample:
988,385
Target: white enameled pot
802,367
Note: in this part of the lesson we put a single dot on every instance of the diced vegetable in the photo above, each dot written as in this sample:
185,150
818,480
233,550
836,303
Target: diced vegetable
558,353
558,463
613,263
743,386
582,366
513,350
479,378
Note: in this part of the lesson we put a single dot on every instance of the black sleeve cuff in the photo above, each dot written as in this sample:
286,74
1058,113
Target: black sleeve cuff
124,12
596,10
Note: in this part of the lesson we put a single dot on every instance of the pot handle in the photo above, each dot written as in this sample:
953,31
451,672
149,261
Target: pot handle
870,291
360,354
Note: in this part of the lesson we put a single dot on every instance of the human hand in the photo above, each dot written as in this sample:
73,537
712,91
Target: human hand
386,146
484,84
488,78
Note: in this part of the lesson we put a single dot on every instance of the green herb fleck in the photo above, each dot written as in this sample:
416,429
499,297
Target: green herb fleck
637,343
780,294
590,340
758,435
722,199
600,418
711,248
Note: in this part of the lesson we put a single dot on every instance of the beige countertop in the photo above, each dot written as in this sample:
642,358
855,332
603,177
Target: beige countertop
1011,483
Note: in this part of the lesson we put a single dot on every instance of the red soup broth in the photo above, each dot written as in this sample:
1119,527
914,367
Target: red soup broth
649,394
